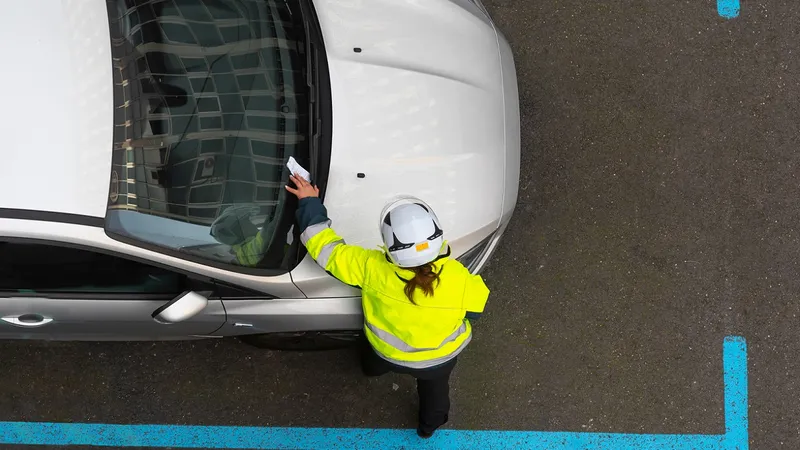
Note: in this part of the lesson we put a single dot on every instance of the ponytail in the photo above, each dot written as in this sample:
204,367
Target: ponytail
424,278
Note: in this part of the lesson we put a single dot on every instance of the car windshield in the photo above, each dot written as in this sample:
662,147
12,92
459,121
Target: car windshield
211,99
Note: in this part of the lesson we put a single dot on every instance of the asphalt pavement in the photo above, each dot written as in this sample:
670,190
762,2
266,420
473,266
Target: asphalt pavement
657,214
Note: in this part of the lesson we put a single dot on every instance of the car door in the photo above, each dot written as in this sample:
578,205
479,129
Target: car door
330,305
50,291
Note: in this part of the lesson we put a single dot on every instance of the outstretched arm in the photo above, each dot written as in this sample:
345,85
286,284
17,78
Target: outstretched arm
345,262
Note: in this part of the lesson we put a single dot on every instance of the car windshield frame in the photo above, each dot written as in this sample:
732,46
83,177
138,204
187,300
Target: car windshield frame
211,98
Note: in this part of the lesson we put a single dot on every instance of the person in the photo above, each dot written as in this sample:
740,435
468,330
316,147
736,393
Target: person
417,301
235,228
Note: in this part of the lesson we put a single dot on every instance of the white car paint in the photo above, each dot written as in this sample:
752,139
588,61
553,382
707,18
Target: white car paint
57,109
428,107
419,111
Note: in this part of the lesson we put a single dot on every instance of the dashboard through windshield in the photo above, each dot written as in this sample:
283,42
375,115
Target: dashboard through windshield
211,99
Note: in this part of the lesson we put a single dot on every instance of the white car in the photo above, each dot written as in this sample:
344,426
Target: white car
133,129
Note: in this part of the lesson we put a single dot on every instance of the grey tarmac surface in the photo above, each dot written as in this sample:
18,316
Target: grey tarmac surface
657,214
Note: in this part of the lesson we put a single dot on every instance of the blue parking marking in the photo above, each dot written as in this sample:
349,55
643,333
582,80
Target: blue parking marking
728,9
734,366
735,436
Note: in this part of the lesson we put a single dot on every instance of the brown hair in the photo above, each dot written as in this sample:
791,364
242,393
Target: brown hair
424,278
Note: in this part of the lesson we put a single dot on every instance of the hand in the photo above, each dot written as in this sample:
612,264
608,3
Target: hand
304,188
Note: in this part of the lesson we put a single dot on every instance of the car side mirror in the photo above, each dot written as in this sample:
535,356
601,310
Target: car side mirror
182,307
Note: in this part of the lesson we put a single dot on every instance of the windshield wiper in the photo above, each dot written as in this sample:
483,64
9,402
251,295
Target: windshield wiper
312,80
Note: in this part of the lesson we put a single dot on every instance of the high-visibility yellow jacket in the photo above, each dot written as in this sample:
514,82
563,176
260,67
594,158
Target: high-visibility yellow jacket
250,252
422,335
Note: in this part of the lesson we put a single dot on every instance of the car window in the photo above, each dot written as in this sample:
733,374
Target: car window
31,268
211,100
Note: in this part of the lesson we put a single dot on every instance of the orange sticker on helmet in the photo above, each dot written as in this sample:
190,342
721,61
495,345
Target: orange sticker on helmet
421,247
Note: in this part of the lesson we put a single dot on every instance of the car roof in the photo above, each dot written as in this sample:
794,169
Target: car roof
57,108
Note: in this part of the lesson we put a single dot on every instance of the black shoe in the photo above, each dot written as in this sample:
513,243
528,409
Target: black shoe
424,434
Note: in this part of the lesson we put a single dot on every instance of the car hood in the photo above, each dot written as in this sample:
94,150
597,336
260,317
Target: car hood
418,110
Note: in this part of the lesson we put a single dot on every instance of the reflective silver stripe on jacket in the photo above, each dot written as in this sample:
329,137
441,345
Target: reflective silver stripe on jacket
313,230
401,345
430,362
326,251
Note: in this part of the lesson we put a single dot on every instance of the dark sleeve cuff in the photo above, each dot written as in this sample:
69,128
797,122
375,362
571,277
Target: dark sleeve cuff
473,316
310,211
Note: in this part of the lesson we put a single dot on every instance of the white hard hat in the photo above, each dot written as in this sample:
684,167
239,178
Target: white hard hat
233,226
411,232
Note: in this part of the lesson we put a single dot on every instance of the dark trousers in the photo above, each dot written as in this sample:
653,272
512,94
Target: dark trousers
433,386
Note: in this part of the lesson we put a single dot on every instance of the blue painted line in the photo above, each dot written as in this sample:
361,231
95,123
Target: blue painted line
335,439
728,9
186,436
734,366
